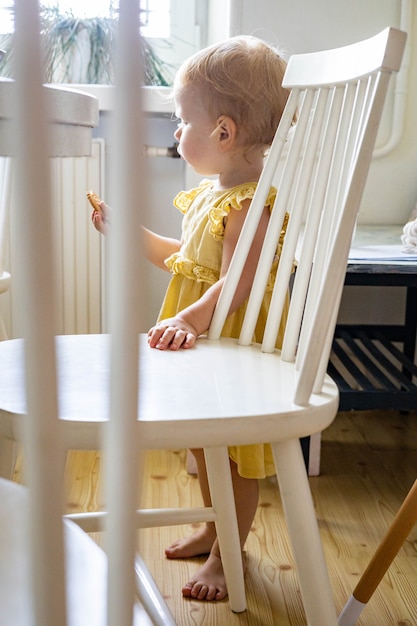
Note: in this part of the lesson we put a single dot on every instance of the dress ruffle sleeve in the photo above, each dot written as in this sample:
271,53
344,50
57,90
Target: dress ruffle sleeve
184,199
234,201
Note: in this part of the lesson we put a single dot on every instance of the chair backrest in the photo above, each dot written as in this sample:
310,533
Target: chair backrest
43,437
319,161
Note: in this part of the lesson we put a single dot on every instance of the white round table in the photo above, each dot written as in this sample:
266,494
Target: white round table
73,114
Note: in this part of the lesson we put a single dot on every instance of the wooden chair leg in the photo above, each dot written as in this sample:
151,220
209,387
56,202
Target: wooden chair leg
398,532
304,534
151,598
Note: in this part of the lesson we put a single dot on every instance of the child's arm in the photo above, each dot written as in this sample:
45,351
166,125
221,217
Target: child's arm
158,248
182,330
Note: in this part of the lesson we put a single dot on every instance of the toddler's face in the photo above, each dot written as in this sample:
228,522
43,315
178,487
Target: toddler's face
194,134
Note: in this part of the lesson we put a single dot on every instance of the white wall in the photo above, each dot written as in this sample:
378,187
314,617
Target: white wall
305,26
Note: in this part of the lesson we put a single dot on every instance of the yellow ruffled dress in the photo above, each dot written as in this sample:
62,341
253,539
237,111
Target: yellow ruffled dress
197,266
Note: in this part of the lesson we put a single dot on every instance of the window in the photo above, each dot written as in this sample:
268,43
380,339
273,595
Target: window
155,14
174,28
6,17
155,18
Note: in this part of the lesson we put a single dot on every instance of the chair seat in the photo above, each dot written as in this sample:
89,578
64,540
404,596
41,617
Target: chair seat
266,388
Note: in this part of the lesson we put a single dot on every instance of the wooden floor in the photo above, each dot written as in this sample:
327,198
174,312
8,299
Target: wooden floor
369,462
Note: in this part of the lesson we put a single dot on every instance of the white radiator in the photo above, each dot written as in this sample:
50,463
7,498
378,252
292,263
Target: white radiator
78,247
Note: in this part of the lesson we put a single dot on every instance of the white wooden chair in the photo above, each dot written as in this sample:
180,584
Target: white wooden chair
320,166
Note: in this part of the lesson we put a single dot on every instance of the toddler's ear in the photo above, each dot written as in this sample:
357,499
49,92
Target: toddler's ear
226,132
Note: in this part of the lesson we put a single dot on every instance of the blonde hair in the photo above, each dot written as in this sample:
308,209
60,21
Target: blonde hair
242,79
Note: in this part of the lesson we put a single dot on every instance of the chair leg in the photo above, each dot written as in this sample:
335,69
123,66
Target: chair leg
304,534
150,596
223,502
387,550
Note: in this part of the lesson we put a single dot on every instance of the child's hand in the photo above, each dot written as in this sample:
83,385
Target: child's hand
100,214
100,219
172,334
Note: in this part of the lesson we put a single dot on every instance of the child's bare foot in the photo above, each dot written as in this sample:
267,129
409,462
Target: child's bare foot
196,544
208,583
